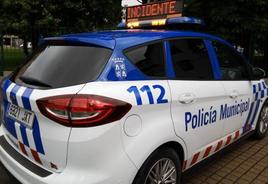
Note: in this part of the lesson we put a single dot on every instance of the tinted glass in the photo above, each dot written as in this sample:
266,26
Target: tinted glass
190,59
149,59
61,66
233,66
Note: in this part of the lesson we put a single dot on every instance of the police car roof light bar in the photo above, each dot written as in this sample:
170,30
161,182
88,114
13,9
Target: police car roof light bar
161,22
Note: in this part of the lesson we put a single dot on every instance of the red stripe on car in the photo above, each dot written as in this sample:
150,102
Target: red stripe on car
219,145
229,138
195,158
207,151
236,135
22,148
36,156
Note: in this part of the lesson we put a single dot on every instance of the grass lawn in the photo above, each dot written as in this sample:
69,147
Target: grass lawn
13,57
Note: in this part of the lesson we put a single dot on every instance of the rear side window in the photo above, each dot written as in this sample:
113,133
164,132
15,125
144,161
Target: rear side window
190,59
60,66
149,59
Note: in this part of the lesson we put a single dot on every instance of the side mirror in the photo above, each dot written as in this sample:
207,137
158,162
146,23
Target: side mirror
258,73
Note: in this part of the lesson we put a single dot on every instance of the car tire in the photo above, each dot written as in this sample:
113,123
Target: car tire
162,166
262,124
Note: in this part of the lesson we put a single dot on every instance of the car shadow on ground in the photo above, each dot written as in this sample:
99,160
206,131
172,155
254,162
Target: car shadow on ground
6,177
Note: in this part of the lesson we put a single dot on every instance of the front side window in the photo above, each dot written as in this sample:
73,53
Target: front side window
232,65
149,59
190,59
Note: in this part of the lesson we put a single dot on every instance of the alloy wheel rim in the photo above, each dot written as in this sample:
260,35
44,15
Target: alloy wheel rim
162,172
264,120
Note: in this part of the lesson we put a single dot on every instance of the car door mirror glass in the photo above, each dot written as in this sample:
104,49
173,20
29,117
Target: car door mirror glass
258,73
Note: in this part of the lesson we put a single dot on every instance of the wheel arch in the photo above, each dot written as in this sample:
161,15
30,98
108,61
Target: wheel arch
177,147
263,102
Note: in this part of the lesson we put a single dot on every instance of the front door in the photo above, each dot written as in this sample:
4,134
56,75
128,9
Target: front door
239,102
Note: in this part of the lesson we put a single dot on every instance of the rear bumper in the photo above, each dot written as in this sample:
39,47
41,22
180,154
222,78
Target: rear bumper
17,170
22,160
96,159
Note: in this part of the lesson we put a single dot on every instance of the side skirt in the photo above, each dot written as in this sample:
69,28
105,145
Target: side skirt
214,148
228,148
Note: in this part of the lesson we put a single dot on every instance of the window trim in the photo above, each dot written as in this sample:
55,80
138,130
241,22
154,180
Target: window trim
170,67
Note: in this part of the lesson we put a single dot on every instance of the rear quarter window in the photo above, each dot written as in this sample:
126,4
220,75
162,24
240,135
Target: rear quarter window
57,66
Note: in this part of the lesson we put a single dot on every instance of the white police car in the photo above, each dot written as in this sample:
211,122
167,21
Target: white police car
127,107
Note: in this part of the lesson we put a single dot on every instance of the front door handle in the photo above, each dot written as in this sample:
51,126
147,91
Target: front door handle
234,94
186,98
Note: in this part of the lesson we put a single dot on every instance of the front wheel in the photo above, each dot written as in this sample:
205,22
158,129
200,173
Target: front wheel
162,167
262,124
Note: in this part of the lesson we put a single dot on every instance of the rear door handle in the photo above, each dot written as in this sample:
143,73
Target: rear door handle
234,94
186,98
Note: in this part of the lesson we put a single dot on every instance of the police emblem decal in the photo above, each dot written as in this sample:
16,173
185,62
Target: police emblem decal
120,68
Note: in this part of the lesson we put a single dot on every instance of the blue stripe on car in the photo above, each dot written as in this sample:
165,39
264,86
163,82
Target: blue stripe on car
255,112
264,85
24,135
248,117
36,130
259,85
214,60
13,94
262,94
37,137
25,98
256,96
169,69
8,122
254,88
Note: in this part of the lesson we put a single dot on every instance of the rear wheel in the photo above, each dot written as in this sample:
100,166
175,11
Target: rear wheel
162,167
262,124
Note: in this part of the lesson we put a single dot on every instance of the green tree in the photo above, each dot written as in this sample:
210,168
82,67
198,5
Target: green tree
31,18
85,15
243,22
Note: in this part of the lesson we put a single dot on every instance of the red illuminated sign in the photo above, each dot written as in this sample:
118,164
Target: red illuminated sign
164,9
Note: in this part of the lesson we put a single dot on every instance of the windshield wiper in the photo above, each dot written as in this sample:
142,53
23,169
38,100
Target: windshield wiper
35,82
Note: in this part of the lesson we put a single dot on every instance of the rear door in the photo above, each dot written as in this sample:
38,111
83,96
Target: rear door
196,98
54,70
